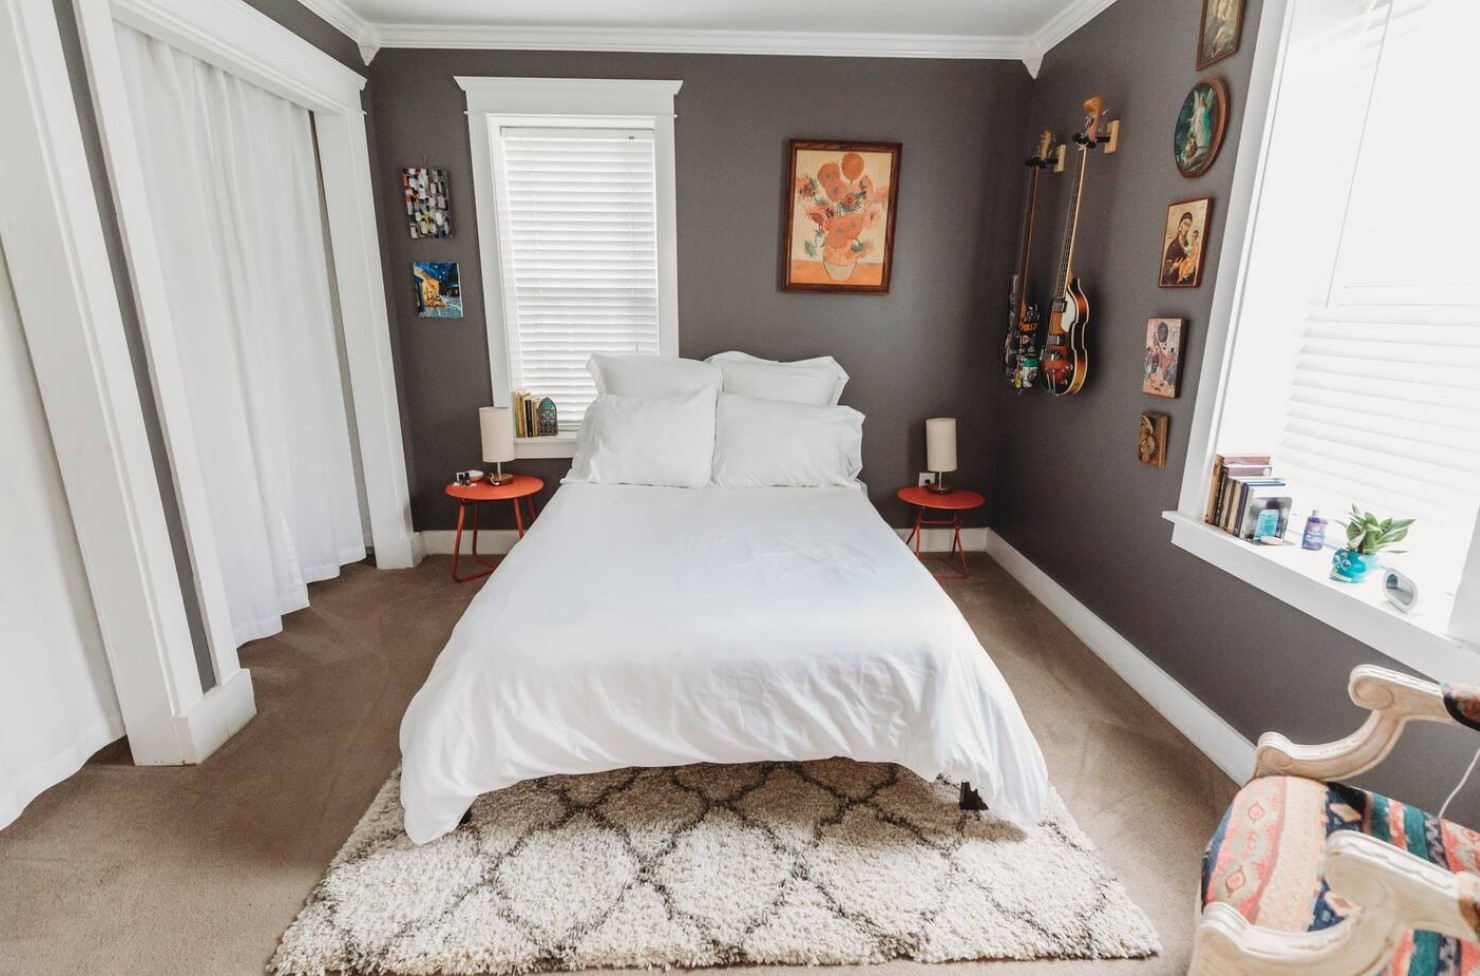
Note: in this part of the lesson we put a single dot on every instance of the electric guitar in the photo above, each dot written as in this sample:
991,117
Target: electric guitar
1065,356
1020,352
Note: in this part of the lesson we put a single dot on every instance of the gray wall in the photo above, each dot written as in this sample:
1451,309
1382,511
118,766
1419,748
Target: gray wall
925,349
1071,494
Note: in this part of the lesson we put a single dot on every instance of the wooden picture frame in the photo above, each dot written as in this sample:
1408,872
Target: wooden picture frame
838,222
1219,30
1162,375
1182,266
1151,446
1201,122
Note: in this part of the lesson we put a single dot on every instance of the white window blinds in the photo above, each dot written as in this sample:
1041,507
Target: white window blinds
1365,271
579,247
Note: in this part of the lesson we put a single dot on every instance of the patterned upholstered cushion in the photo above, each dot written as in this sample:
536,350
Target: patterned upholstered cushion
1463,704
1265,861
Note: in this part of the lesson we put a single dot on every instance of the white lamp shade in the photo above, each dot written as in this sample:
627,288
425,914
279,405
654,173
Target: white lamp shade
497,426
940,444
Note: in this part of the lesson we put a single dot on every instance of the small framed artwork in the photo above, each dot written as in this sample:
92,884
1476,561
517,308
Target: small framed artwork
1163,376
1152,446
1198,134
838,231
438,289
427,213
1222,23
1184,243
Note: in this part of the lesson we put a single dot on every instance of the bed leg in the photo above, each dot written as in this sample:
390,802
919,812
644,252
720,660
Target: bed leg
970,798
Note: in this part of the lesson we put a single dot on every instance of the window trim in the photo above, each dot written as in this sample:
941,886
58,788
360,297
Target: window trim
494,101
1428,640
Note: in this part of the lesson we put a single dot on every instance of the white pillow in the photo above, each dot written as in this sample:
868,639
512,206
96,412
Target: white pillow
758,443
818,381
646,441
651,376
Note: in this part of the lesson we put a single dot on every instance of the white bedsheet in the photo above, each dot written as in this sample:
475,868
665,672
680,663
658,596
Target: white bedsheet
639,626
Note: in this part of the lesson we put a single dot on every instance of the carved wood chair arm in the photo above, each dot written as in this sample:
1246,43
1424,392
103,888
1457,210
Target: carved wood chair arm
1403,889
1394,700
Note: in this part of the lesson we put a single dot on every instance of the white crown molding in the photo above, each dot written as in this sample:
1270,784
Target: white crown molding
342,18
1058,28
679,41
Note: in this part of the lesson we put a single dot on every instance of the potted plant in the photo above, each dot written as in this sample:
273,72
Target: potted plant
1366,536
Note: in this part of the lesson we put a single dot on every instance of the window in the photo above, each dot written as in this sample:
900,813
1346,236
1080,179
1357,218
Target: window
575,198
1347,310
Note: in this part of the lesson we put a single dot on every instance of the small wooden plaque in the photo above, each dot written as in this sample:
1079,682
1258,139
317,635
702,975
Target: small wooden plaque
1152,446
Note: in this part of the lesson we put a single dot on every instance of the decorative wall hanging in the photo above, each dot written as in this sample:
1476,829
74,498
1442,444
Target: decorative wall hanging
437,288
839,221
1152,446
427,213
1184,243
1163,375
1222,23
1199,131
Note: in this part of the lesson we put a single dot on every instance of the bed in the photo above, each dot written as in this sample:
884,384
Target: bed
658,626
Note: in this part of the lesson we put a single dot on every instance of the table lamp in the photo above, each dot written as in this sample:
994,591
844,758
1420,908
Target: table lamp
940,451
497,427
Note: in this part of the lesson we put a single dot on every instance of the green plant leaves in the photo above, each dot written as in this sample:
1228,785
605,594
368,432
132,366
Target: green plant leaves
1367,534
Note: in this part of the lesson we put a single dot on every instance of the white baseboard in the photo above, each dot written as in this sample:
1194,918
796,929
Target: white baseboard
218,716
1204,728
497,542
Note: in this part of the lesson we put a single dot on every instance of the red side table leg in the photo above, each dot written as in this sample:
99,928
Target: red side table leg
519,518
462,510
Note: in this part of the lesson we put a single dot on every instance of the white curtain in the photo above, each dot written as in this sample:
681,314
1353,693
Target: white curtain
57,705
233,191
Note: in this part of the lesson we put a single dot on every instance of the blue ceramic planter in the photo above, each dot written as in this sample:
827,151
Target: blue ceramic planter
1352,567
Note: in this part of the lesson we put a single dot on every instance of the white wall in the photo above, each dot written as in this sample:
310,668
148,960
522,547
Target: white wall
57,704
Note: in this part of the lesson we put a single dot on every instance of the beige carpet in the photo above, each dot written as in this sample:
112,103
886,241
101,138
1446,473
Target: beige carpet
821,862
124,870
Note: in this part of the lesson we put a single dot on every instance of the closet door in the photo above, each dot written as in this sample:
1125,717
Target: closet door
57,705
233,192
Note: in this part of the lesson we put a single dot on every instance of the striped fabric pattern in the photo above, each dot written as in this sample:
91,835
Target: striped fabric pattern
1265,860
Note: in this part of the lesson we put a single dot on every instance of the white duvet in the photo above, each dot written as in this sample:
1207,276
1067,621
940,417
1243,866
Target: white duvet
660,626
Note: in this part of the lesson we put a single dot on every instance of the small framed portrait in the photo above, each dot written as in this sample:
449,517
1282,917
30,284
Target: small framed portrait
1184,243
1151,446
1163,375
839,222
1221,25
1198,134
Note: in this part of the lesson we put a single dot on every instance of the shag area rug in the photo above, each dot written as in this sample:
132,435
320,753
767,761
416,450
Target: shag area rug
821,862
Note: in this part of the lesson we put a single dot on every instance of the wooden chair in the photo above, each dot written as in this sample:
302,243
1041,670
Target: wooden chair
1305,875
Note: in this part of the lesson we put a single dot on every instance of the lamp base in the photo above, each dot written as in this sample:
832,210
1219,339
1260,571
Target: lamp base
500,479
938,488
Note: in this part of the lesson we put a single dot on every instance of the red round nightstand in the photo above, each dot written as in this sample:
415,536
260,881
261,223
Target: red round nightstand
522,487
955,501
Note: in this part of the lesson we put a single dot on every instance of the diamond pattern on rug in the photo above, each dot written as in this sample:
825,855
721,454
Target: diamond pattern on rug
820,862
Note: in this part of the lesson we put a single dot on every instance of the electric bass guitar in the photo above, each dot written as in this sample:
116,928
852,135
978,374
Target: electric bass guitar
1065,355
1021,350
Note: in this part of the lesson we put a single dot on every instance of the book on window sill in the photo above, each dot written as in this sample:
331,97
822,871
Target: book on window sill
1241,489
1227,466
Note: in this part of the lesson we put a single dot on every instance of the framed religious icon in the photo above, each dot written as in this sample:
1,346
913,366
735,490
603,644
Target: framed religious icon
1218,34
1184,243
1163,373
1198,134
838,233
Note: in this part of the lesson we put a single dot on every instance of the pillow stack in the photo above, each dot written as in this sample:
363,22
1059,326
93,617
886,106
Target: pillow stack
733,421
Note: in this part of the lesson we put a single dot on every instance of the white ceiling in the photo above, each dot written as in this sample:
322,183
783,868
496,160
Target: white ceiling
1017,29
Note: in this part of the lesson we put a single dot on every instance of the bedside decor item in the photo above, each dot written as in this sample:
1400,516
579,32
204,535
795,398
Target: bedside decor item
1020,351
1314,538
496,424
1198,134
466,478
520,487
1265,512
1152,445
438,289
838,233
940,451
1222,23
1366,536
1064,364
1163,375
1400,590
427,213
926,500
1183,243
548,424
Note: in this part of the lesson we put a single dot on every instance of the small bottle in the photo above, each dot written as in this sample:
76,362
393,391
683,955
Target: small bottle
1314,538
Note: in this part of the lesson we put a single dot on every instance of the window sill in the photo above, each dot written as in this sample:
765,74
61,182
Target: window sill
1299,578
559,446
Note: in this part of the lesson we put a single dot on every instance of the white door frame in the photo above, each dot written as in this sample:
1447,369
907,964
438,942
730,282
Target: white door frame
236,38
58,260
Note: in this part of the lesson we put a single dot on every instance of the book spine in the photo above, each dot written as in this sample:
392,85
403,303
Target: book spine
1217,486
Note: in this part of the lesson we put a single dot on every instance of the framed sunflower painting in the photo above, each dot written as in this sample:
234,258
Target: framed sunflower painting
839,219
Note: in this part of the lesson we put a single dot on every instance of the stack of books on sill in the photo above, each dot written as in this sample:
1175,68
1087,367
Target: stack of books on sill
1245,499
534,415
